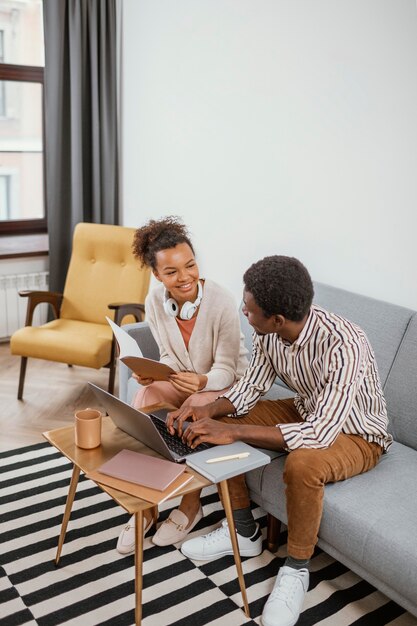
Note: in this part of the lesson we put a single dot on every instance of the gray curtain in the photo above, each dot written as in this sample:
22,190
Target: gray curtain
81,156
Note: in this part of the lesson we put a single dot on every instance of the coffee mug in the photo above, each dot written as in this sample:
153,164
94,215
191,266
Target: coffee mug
87,428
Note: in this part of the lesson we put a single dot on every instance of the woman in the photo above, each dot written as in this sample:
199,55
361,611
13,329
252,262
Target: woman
195,323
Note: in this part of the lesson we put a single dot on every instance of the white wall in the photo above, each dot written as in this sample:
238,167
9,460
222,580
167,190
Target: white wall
277,127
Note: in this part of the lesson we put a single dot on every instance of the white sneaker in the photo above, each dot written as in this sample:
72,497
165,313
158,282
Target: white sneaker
126,541
218,543
284,605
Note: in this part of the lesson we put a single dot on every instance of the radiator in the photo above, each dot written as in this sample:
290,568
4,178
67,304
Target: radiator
13,307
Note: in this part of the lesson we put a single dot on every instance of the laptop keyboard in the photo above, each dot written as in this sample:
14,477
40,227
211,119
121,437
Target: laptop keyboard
173,442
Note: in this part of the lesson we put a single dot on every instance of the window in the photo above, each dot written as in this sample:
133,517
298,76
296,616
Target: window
5,204
2,94
22,204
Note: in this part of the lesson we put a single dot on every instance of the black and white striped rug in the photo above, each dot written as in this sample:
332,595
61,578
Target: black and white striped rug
95,585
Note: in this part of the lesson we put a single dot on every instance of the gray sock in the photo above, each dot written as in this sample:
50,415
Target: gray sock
296,563
244,522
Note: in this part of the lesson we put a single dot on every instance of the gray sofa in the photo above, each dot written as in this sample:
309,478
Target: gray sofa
369,521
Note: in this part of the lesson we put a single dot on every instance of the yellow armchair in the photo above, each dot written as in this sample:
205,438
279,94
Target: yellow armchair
103,276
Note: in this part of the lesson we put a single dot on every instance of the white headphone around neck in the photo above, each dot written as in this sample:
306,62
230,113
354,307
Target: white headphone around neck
188,308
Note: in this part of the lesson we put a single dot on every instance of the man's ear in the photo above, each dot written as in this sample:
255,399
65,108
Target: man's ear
279,321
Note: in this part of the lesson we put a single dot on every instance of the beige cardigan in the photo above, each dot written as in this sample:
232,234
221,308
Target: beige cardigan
216,346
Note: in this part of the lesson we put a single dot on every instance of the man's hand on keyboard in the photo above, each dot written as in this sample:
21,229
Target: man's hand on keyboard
218,408
208,430
179,416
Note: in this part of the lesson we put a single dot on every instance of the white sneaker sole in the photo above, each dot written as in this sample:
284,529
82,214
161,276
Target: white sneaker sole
218,555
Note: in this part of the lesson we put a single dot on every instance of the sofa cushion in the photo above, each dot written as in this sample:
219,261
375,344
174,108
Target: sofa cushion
401,389
383,323
371,517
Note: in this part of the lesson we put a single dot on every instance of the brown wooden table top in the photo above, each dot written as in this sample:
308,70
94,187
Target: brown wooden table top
112,441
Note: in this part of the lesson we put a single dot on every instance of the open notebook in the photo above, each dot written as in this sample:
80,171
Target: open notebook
130,355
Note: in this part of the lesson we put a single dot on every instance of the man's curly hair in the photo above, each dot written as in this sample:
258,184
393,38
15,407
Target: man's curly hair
158,235
280,285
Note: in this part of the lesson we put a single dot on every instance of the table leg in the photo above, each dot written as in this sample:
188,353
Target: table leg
231,522
155,514
68,506
138,565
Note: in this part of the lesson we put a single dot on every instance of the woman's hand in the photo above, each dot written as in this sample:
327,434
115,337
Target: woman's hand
141,380
188,382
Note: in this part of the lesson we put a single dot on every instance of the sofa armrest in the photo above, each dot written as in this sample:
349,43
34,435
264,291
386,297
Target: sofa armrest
142,334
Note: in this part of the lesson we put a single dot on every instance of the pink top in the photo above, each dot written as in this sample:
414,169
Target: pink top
186,328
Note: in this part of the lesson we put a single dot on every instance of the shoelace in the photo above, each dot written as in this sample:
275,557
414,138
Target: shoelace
218,534
286,588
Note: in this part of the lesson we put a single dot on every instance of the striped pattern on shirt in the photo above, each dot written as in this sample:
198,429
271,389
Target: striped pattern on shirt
332,370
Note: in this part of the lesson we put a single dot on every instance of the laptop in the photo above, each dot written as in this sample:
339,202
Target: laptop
149,429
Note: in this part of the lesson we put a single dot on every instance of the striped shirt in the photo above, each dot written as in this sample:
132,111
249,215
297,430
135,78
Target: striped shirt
332,370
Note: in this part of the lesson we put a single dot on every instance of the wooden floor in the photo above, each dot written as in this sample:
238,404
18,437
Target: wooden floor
53,391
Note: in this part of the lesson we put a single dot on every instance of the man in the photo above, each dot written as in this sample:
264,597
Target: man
335,426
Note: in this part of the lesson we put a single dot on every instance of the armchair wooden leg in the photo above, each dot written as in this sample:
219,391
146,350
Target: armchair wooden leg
272,533
23,364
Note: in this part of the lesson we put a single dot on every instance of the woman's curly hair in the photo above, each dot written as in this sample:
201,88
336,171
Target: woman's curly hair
158,235
280,285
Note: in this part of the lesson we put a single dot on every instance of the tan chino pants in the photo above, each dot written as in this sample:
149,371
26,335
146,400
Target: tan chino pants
306,472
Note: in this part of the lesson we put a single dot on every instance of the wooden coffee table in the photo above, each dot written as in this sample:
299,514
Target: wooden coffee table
112,441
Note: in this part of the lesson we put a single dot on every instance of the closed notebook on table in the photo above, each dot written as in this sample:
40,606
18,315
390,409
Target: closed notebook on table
139,491
142,469
222,470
